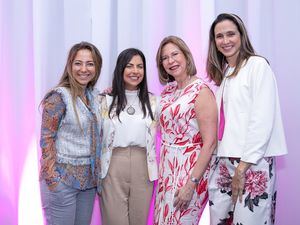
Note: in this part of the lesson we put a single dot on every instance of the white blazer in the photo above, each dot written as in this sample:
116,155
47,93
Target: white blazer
253,125
108,126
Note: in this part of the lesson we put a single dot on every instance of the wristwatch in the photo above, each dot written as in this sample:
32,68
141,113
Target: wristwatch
195,180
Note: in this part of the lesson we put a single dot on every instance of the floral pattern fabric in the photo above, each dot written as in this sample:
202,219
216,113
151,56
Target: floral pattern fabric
79,176
181,146
259,196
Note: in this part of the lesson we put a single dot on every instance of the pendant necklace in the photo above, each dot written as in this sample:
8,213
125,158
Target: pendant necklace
131,110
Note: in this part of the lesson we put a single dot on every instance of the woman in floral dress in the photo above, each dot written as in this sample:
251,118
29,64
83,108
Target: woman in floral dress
242,181
188,120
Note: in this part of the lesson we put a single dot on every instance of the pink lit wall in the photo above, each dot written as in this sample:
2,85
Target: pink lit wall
17,104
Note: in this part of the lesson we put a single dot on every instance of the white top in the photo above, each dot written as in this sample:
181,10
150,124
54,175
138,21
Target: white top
109,130
253,125
131,129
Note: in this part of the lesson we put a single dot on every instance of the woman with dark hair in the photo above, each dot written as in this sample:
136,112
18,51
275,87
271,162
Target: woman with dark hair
128,158
188,122
242,180
70,140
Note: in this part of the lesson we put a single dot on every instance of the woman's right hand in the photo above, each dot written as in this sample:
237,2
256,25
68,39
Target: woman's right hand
184,195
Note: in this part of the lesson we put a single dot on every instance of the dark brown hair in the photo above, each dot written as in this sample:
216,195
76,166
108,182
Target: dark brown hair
216,61
118,84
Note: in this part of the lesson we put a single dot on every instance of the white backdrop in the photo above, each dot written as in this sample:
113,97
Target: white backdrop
36,35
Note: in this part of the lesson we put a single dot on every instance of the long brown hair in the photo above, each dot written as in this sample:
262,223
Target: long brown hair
216,61
67,79
164,77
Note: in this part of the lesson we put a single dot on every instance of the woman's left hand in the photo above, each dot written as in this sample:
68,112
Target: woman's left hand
238,181
237,186
183,196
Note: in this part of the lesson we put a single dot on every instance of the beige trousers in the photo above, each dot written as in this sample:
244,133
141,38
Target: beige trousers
126,189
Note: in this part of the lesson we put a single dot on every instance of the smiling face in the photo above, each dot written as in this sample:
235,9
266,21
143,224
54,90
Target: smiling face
228,40
83,67
133,73
174,61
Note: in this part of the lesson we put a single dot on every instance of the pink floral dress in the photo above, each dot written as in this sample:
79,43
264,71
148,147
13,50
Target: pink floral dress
181,146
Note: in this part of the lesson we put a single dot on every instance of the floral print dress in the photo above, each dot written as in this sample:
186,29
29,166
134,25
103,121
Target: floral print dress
181,146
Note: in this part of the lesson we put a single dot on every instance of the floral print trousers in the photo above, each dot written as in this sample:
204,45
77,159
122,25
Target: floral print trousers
259,198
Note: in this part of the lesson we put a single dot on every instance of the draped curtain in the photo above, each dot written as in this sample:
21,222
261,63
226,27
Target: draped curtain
35,37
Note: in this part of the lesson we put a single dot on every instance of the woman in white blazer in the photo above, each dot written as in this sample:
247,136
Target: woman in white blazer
242,180
128,160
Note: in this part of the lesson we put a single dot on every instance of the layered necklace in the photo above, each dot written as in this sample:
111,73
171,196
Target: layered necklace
130,109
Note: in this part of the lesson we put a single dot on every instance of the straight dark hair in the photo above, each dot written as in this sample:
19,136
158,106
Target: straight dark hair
118,84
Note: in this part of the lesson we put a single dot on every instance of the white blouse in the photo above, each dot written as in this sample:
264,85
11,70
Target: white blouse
131,129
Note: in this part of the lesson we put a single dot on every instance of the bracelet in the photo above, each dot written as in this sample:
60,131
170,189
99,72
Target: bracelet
195,180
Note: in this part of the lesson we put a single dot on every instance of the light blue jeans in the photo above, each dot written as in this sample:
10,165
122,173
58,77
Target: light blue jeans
66,205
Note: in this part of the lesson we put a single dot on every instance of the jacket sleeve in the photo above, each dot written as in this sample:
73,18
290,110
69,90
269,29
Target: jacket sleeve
262,111
53,111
